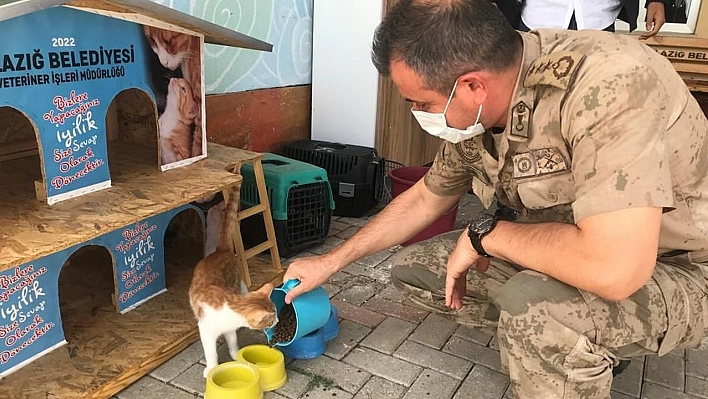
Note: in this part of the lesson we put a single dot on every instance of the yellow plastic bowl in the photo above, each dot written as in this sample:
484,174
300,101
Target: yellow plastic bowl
270,363
233,380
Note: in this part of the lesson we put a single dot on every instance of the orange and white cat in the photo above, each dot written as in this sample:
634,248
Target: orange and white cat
219,298
179,50
177,121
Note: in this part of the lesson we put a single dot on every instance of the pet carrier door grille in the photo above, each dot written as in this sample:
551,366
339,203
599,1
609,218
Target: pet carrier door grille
308,213
334,164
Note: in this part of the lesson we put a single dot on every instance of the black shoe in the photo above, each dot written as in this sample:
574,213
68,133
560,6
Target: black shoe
622,366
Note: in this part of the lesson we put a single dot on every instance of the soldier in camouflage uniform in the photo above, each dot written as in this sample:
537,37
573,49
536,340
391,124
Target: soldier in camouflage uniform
596,142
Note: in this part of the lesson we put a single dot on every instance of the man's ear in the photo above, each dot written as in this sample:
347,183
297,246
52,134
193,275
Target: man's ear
473,87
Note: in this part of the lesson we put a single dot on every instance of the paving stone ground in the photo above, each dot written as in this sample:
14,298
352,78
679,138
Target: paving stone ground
388,349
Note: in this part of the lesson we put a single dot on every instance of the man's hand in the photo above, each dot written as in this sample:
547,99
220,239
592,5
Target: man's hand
655,19
312,272
462,258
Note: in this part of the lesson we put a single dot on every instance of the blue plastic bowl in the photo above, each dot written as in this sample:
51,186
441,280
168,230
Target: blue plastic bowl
310,346
331,329
312,310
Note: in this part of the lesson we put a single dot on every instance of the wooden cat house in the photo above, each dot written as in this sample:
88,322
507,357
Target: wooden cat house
103,149
67,70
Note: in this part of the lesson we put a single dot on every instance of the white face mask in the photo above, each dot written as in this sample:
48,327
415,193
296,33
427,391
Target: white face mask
436,124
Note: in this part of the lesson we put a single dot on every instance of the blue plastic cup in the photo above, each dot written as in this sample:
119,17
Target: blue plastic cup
310,346
312,310
331,329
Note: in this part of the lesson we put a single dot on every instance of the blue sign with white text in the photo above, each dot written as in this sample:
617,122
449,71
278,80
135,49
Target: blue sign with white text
30,321
30,318
138,252
63,68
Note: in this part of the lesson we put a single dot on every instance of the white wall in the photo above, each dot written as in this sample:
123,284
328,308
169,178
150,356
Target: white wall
344,81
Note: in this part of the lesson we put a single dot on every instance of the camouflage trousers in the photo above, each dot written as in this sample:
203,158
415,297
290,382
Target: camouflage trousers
557,341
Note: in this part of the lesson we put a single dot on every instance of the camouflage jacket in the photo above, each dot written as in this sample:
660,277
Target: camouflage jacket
597,122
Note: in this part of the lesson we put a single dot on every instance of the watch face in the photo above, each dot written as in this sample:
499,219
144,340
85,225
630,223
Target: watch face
482,224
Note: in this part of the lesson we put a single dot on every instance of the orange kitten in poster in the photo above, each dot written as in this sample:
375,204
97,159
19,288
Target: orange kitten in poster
176,122
179,50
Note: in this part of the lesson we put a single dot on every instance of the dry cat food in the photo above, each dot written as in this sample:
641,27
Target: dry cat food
287,324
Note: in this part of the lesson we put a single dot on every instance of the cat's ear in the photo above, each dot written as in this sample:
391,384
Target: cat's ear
266,289
148,34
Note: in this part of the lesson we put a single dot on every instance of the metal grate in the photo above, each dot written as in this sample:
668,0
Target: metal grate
334,164
308,213
383,182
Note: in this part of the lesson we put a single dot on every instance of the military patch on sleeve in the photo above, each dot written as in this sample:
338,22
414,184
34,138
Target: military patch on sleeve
556,69
468,151
538,162
471,158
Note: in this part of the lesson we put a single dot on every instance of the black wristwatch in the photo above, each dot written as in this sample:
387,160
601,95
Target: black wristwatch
480,227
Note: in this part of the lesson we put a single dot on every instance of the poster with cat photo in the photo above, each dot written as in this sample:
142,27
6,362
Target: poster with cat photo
177,80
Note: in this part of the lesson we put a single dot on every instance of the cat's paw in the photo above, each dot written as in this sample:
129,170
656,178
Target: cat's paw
207,370
233,353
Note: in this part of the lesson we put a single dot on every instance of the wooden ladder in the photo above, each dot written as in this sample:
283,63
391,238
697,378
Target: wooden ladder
264,208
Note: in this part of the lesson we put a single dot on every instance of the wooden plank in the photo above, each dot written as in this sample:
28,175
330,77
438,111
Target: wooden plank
252,211
692,58
139,370
267,216
258,249
678,40
690,68
19,154
241,254
687,53
399,137
262,272
39,191
683,53
32,229
264,208
27,143
696,84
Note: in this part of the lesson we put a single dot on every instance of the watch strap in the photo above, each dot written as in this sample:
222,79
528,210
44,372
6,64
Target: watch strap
477,245
476,237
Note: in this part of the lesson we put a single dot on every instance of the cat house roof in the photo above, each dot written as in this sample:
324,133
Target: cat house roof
126,9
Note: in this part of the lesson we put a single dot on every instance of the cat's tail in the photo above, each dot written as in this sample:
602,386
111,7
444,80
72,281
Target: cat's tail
228,225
